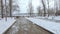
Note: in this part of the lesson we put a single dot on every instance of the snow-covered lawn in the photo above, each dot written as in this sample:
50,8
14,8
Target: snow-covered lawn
48,25
50,17
4,25
57,17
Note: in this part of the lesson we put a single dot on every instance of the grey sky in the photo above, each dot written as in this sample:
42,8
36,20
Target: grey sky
24,4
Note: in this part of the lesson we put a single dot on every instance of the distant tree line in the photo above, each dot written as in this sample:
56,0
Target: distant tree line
45,11
7,7
55,10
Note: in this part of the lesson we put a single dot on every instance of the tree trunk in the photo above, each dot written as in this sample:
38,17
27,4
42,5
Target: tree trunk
44,7
10,4
30,8
6,9
48,7
2,8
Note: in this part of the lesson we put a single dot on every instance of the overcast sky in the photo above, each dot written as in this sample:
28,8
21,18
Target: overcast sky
24,5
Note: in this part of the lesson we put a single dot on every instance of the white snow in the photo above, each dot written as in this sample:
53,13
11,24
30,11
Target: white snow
4,25
49,25
50,17
57,17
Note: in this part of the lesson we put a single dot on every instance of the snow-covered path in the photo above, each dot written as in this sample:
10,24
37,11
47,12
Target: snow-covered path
4,25
24,26
48,25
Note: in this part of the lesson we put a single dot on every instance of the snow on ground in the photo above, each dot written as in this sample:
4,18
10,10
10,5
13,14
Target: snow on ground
57,18
49,25
4,25
50,17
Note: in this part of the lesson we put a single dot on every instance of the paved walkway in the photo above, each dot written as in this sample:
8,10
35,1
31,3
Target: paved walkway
23,26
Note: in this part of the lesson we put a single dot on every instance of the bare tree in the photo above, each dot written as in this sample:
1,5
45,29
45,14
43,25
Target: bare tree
59,4
2,8
10,4
56,7
58,12
48,7
44,8
30,8
39,10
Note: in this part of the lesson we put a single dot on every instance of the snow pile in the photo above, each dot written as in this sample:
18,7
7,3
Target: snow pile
57,18
50,17
4,25
48,25
39,17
